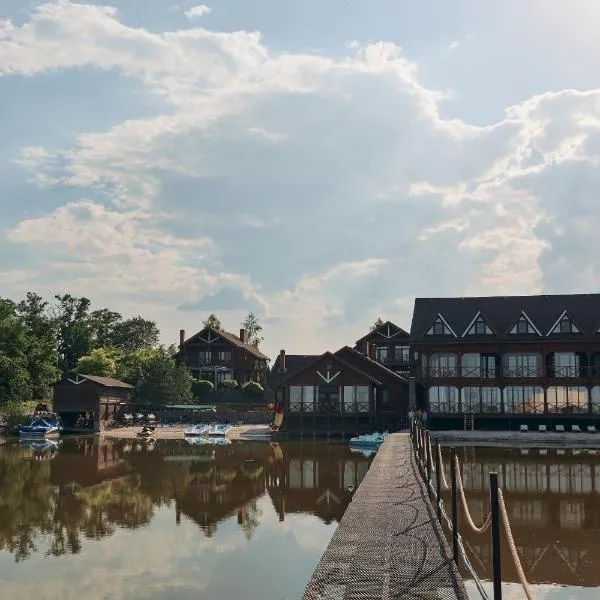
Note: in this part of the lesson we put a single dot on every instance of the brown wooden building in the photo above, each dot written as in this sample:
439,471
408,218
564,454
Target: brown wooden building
389,345
218,356
509,359
88,402
337,393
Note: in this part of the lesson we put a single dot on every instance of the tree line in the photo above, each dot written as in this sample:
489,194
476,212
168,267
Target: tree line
43,341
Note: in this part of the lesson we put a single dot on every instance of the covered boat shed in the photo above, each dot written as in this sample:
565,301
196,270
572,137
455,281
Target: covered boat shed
86,403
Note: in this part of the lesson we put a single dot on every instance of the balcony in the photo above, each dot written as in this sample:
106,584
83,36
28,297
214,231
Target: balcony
567,372
199,363
399,361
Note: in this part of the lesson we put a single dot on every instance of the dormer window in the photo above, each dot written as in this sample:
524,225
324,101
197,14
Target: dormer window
564,325
440,327
524,326
478,327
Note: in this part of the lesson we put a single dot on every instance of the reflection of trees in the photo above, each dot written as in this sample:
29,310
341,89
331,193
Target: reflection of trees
248,519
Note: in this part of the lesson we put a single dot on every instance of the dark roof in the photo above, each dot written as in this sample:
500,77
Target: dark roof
387,331
294,363
105,381
373,367
230,337
315,359
501,312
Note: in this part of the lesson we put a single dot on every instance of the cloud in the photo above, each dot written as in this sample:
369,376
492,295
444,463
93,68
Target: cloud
197,11
320,190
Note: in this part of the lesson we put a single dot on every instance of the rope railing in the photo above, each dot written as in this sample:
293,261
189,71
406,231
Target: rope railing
429,464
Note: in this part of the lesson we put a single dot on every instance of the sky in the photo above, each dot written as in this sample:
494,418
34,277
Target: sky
320,164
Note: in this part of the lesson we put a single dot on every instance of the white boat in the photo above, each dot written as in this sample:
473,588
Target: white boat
203,441
40,428
196,430
368,440
218,430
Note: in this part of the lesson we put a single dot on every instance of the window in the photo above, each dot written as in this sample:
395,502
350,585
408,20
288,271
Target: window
478,365
356,398
470,400
443,399
491,400
523,326
381,353
524,399
566,400
565,325
440,327
204,357
329,399
564,364
443,365
224,355
522,365
302,398
402,354
479,327
595,400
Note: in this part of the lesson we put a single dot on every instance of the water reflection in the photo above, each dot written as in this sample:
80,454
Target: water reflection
86,489
553,501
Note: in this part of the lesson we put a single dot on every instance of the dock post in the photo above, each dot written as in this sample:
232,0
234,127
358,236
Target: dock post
428,454
496,564
438,480
454,505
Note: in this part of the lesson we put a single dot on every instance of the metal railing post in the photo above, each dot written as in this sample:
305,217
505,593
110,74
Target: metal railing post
438,480
496,564
454,505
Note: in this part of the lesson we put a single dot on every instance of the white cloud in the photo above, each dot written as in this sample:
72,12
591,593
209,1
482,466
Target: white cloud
197,11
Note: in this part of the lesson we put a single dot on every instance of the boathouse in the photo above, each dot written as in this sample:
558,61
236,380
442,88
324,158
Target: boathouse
337,393
88,402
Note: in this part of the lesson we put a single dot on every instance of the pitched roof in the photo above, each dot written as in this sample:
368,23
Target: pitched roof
294,363
105,381
352,356
386,331
501,312
230,337
315,359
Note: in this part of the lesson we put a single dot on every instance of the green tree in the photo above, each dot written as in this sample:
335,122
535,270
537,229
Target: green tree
377,324
75,334
102,324
134,334
254,329
213,321
163,381
98,362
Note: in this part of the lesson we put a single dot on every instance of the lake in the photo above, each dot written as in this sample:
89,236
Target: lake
553,502
129,519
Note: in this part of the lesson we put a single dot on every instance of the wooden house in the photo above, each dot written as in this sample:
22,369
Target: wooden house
337,393
216,355
389,345
88,402
505,361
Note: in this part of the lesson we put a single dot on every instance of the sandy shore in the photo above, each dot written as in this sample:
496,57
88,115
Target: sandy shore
241,432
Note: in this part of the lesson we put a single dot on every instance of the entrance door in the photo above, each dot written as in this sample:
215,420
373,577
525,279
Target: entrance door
329,399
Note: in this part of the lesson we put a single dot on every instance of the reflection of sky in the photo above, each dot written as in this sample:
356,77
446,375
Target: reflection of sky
162,560
513,591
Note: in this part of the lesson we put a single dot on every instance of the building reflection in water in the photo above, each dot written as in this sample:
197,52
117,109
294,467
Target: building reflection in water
86,488
553,503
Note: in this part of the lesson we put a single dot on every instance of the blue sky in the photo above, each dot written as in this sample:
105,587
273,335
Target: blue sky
318,163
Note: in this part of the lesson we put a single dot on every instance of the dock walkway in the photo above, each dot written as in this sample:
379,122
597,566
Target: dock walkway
388,544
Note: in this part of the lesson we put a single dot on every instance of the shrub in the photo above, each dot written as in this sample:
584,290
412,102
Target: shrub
230,384
202,387
253,387
15,414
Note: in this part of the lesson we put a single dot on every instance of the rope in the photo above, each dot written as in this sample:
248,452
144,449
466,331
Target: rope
445,483
488,520
513,548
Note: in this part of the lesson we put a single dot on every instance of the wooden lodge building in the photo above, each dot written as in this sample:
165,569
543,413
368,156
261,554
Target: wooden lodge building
345,392
217,356
389,345
507,361
87,402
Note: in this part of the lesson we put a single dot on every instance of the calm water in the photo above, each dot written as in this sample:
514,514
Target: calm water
553,501
124,520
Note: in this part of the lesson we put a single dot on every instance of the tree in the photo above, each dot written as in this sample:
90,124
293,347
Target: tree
377,324
98,362
163,381
213,321
75,334
102,325
134,334
254,329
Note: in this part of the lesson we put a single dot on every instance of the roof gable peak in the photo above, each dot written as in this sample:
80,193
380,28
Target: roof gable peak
523,326
440,327
564,325
478,326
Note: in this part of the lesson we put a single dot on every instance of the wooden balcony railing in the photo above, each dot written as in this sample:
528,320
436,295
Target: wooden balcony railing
198,363
568,372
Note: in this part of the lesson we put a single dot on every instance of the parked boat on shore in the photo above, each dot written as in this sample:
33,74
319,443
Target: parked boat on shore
218,430
196,430
40,428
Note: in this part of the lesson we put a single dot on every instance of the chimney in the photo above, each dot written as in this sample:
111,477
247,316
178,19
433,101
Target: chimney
282,361
181,337
243,335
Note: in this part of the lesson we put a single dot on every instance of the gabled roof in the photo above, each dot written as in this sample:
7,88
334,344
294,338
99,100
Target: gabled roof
384,332
289,374
368,364
103,381
228,337
294,363
501,312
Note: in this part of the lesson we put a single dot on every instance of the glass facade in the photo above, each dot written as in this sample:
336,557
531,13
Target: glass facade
329,399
